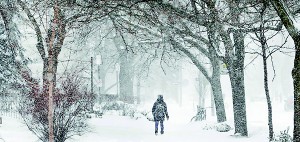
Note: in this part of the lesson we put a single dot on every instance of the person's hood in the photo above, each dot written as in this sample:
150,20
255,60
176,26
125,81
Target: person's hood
160,99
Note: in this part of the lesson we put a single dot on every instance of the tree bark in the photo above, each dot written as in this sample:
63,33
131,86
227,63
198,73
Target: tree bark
217,91
126,77
263,42
202,89
216,74
234,59
138,91
287,21
239,101
235,66
54,41
270,124
296,77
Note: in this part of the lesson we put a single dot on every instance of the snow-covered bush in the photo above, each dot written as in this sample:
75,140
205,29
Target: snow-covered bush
208,127
71,104
128,110
122,109
114,105
284,136
148,115
223,127
220,127
201,114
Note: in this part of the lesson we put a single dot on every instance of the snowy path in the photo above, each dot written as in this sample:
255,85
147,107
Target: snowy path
124,129
112,128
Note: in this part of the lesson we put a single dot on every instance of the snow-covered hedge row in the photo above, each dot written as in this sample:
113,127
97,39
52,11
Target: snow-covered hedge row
220,127
120,108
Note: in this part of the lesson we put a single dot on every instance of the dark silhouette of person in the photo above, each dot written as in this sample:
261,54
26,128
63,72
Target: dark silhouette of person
159,111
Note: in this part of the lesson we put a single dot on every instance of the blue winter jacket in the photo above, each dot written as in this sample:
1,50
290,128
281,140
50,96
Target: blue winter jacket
159,116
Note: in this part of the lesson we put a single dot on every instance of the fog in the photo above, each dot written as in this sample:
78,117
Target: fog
178,86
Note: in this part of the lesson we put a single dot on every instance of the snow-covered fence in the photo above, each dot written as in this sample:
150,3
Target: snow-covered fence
9,104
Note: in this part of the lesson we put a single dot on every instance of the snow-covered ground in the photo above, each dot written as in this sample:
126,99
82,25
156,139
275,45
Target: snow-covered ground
112,128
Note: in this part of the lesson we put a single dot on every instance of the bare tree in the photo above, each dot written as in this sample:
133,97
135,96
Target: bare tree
170,31
263,41
71,103
64,15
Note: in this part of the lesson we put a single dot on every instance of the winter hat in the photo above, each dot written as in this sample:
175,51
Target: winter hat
160,97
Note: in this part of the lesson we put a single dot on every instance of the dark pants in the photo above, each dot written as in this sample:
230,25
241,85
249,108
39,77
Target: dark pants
161,126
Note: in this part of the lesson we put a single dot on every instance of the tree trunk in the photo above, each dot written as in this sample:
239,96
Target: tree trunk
287,21
50,81
138,91
235,65
202,89
126,77
54,48
238,98
263,42
217,94
215,61
99,79
235,54
215,78
216,82
296,77
270,124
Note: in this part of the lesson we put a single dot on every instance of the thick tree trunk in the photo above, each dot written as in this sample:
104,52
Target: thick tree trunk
50,81
101,77
235,64
202,89
216,74
126,78
296,77
234,58
238,98
138,91
217,93
287,21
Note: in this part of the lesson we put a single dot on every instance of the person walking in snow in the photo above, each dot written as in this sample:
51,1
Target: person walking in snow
159,111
